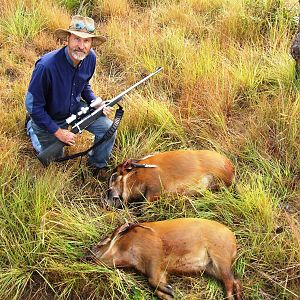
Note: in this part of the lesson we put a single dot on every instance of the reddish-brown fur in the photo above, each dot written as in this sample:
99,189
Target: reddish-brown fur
186,245
181,171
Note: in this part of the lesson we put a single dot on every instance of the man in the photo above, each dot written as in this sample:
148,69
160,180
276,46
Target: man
59,83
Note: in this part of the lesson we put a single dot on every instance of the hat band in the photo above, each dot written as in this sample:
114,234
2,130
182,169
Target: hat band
80,26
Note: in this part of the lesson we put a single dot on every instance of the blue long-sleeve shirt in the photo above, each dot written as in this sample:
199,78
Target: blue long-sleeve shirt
56,87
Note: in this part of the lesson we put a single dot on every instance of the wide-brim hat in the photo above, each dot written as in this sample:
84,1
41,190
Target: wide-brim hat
83,27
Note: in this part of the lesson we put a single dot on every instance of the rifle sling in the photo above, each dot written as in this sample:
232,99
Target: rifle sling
109,133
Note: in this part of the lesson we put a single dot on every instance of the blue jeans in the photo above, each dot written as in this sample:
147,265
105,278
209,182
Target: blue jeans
97,157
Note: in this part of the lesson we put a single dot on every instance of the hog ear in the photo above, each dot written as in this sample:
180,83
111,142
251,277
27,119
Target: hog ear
107,239
128,165
122,230
117,233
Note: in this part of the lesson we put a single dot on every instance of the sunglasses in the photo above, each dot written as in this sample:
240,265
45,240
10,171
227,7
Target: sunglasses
80,25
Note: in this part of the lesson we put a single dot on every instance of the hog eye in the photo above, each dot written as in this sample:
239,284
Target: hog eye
103,242
113,178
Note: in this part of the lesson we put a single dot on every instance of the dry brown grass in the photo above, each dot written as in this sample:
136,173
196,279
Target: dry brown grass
106,8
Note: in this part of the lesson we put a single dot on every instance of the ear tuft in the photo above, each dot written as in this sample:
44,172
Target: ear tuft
122,229
127,165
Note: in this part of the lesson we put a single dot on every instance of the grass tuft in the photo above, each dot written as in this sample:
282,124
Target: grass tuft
22,23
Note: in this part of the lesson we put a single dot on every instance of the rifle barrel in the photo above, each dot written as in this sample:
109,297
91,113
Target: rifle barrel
115,100
47,155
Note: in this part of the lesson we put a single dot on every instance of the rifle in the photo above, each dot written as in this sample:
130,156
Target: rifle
85,117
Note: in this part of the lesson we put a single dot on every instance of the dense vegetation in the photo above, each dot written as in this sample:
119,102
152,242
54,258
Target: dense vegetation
228,84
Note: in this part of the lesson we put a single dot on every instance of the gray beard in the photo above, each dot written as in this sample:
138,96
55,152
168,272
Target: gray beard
79,55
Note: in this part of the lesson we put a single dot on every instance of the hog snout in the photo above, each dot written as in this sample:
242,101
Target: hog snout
113,199
112,194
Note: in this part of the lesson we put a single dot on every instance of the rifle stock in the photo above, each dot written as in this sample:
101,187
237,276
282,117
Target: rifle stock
48,155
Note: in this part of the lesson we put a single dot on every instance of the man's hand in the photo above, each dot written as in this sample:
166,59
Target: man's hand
98,102
65,136
107,110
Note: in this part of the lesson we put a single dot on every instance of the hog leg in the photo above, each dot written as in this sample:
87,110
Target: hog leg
228,283
152,194
162,290
237,289
158,280
161,285
232,286
223,273
163,296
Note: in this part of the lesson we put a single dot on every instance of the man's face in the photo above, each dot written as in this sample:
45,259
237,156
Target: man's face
79,47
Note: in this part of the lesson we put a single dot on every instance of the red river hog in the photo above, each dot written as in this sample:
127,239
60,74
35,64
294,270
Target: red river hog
179,246
179,172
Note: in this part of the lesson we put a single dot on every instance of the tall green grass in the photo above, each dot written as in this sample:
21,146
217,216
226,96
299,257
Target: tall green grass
22,23
148,127
24,202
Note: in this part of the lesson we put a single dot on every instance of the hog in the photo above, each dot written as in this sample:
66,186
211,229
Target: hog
178,246
173,172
